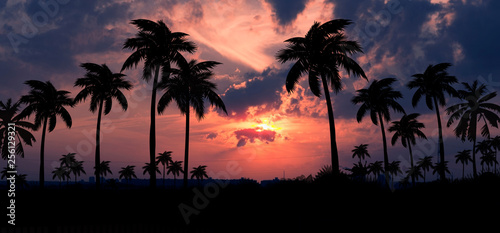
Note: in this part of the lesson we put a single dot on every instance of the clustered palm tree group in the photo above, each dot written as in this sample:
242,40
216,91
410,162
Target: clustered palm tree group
321,54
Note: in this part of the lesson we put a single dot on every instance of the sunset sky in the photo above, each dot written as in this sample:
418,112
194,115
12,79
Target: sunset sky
267,131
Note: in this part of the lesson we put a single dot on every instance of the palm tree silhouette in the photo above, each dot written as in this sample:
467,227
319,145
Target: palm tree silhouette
102,86
433,84
414,173
175,168
441,167
77,169
189,86
150,168
8,115
375,168
360,151
165,158
425,163
475,108
199,172
62,173
378,99
463,157
406,129
127,173
495,144
488,159
46,103
103,169
321,53
158,47
393,169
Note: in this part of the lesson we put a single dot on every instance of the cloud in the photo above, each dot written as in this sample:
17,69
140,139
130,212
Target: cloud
285,11
251,134
211,135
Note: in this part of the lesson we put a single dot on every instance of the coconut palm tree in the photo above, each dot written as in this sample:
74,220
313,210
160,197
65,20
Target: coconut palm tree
360,151
441,167
127,173
103,169
62,173
45,102
102,86
158,47
433,84
375,168
406,129
414,173
199,172
150,168
393,170
495,144
378,99
321,54
425,164
12,124
77,169
164,158
488,159
474,109
175,168
189,86
463,157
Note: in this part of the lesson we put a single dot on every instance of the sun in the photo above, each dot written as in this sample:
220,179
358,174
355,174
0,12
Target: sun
265,126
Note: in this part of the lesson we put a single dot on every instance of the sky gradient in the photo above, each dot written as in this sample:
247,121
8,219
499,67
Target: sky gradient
267,131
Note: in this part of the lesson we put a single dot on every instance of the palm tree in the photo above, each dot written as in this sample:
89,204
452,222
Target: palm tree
165,158
393,170
62,173
474,109
46,103
378,99
77,169
102,86
414,173
321,53
425,163
360,151
359,170
463,157
8,118
406,129
433,84
68,160
199,172
375,168
158,47
495,144
175,168
103,169
488,159
127,173
150,168
441,167
189,86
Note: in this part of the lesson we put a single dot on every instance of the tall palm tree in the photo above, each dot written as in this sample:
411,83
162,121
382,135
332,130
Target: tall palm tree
102,86
406,129
378,99
77,169
433,84
127,173
321,53
474,109
425,163
103,169
150,168
175,168
164,158
46,103
441,166
9,117
361,152
189,86
158,47
199,172
463,157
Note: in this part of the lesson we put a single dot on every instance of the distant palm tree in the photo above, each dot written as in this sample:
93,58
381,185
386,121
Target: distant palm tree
406,129
361,152
488,159
359,170
5,171
150,168
414,173
433,84
321,53
21,181
103,169
127,173
158,47
165,158
475,108
175,168
199,172
463,157
68,160
495,144
425,164
441,167
8,115
102,86
77,169
378,99
46,103
393,169
62,173
375,168
189,86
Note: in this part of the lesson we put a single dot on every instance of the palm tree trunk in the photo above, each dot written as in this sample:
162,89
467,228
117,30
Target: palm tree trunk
474,169
333,141
463,170
42,155
186,149
164,175
442,174
98,147
411,160
384,141
152,129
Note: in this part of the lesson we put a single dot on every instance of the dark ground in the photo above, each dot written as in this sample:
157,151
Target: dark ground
322,206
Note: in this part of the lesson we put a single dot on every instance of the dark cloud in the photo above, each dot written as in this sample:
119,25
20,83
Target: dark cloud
285,11
250,135
211,136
